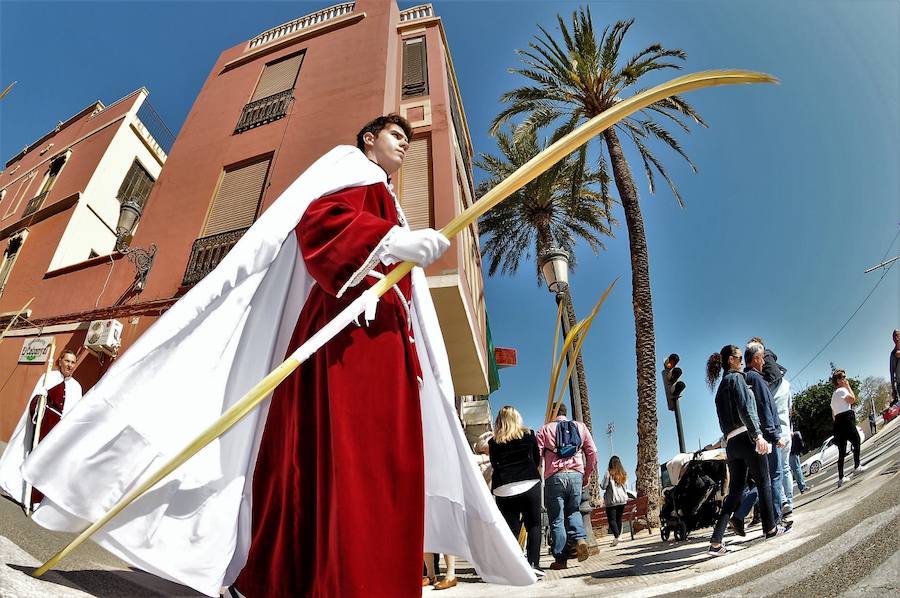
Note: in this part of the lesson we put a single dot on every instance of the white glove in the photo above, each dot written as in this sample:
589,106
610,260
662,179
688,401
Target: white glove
419,246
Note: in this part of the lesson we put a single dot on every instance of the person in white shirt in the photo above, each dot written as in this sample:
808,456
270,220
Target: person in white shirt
844,422
63,393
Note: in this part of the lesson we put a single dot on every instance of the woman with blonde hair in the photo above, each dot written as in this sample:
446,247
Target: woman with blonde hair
614,496
516,482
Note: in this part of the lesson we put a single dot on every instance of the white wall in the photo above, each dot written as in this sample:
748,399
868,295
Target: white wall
86,229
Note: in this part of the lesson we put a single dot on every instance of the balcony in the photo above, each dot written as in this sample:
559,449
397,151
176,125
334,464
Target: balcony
35,204
207,252
423,11
311,20
265,110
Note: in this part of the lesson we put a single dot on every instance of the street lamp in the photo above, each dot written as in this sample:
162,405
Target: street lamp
554,264
129,213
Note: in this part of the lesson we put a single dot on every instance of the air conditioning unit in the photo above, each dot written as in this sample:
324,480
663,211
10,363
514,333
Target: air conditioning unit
104,336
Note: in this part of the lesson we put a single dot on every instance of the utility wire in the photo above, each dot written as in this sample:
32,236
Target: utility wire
856,311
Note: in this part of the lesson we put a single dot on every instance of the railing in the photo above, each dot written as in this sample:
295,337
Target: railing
35,203
326,14
264,110
155,126
207,252
416,12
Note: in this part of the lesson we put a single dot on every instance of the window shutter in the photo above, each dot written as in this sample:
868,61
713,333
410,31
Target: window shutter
277,77
415,184
415,68
238,198
9,259
137,184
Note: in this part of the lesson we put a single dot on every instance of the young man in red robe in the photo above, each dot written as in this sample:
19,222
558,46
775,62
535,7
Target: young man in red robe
338,489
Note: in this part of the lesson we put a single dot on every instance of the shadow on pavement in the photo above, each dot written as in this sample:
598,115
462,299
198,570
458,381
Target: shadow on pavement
113,584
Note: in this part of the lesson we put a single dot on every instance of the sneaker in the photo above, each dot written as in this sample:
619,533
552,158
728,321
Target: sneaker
786,510
840,483
720,551
860,469
738,526
779,530
539,572
615,540
581,549
786,525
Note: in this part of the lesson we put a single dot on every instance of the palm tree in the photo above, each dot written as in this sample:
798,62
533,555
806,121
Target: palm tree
571,82
556,208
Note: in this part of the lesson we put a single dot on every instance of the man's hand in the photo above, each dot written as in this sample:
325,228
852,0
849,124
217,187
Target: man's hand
420,246
762,447
781,443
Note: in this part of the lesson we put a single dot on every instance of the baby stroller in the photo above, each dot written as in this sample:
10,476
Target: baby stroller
696,499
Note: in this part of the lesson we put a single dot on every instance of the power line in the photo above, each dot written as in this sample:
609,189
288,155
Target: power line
856,311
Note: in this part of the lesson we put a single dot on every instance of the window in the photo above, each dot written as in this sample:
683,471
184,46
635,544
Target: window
19,194
36,202
237,199
273,94
415,184
136,185
10,254
415,68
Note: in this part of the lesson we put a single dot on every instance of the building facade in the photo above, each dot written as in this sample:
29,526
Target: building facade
269,108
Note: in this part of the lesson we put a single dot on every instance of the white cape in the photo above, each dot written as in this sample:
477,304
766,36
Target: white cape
19,444
199,358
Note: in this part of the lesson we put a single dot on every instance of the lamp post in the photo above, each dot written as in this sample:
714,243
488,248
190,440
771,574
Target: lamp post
129,213
554,264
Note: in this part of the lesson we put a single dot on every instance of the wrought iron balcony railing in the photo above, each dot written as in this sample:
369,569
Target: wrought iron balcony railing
264,110
35,203
207,252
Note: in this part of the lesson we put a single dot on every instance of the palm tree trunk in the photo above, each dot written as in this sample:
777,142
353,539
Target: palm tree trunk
647,474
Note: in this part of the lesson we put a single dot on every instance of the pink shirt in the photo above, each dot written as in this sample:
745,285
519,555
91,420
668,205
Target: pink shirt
584,461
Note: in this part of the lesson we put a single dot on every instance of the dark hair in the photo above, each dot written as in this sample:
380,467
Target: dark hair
561,410
837,375
375,127
717,362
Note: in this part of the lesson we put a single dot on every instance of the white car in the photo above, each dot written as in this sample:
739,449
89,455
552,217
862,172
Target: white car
827,455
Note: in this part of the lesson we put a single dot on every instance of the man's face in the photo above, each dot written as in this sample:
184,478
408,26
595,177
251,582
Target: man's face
897,337
387,149
66,364
757,362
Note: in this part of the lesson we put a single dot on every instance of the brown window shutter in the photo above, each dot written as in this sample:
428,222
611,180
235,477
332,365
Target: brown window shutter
415,184
415,68
137,184
238,198
277,77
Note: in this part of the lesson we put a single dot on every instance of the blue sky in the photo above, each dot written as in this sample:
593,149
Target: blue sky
797,191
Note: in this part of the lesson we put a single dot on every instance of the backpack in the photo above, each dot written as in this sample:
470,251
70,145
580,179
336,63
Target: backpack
568,439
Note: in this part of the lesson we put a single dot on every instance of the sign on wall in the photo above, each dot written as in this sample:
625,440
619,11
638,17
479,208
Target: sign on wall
35,350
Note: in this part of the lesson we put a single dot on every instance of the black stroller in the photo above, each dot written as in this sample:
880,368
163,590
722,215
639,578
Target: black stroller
695,501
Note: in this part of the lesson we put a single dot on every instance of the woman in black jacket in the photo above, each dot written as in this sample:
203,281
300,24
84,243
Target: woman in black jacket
516,482
745,446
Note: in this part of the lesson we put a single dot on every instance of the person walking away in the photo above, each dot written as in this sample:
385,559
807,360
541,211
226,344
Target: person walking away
745,449
844,423
798,447
516,481
614,496
569,457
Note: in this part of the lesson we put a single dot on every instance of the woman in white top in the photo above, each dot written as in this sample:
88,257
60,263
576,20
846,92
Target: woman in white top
614,496
844,422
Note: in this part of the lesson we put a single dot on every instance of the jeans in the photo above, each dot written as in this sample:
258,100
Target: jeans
614,517
775,474
562,497
525,509
797,470
748,499
742,458
787,480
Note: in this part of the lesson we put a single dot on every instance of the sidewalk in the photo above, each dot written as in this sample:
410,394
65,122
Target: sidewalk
647,566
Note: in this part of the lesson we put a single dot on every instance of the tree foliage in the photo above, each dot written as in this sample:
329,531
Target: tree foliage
812,411
873,390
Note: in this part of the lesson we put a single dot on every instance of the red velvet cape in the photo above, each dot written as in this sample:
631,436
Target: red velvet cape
338,490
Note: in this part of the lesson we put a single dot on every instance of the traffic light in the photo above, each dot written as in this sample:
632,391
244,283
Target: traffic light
672,384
